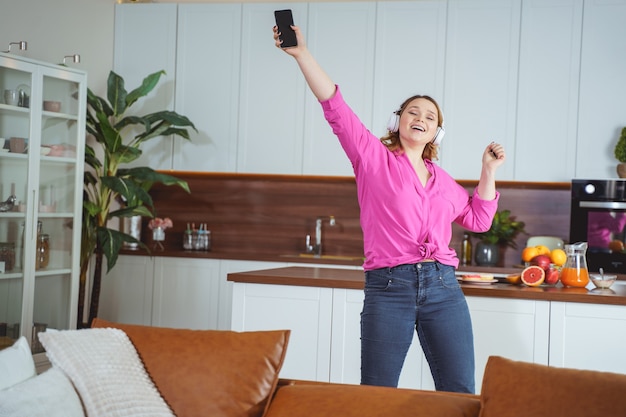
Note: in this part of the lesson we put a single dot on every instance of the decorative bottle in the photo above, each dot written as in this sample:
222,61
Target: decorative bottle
466,250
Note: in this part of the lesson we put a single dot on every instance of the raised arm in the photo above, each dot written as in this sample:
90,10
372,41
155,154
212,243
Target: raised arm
319,82
493,157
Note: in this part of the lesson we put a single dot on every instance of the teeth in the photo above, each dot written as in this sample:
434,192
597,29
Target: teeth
421,129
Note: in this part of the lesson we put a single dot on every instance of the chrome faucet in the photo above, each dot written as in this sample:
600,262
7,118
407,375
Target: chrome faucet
316,249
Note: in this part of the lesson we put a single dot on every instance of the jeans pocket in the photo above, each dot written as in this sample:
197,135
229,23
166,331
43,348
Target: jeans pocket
377,280
448,278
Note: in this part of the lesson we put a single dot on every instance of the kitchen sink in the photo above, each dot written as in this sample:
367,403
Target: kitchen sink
326,257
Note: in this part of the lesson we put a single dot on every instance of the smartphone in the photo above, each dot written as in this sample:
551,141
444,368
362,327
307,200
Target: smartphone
284,20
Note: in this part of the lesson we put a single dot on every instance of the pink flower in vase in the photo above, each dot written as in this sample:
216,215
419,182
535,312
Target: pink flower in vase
158,226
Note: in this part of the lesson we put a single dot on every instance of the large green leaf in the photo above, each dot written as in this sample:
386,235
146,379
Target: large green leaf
147,85
116,93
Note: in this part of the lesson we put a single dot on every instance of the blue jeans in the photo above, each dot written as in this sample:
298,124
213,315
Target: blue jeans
426,297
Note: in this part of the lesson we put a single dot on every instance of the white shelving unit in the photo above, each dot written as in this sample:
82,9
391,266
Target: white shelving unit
47,181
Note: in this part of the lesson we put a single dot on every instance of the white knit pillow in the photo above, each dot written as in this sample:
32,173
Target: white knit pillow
107,372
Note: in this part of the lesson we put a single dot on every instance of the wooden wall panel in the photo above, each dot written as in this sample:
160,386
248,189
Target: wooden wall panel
256,215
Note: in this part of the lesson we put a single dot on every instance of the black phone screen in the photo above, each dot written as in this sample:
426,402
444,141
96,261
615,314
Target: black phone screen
284,20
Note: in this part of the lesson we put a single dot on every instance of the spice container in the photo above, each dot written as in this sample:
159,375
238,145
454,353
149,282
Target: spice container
43,251
7,255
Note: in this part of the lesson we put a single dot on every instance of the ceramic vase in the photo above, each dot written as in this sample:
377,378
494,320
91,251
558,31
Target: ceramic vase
621,170
158,236
486,254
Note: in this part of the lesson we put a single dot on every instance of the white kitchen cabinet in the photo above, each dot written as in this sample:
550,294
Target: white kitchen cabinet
306,311
515,329
410,56
345,358
207,85
145,42
172,292
525,74
588,336
271,105
46,176
342,38
226,287
126,291
602,88
186,293
482,54
547,102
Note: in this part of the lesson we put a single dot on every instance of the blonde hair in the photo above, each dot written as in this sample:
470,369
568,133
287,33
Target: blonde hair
392,139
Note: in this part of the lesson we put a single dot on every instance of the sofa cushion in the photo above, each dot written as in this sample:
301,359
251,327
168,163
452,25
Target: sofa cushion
361,400
210,372
106,371
50,394
16,363
512,388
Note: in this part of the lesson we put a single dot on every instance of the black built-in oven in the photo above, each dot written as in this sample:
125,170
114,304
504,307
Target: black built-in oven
598,217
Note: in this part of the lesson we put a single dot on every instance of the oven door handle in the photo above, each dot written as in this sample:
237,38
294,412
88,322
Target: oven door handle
603,204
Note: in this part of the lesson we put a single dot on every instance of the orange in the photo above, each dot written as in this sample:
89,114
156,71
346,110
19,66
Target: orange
543,250
558,257
514,279
533,276
616,245
529,253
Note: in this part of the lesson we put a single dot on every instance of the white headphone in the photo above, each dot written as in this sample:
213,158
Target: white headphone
394,123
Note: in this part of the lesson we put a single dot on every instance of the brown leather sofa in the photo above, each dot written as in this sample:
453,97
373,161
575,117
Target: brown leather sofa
215,373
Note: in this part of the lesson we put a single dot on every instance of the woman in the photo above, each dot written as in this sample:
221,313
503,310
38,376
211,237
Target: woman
407,207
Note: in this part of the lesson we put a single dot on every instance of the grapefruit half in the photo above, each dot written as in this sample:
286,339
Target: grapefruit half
533,276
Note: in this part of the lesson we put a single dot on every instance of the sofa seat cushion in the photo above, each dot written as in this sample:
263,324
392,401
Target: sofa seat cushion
360,400
511,388
210,372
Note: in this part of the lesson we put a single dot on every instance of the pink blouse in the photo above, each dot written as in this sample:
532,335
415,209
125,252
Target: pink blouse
403,222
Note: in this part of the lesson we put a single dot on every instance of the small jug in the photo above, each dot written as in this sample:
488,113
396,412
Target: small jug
575,272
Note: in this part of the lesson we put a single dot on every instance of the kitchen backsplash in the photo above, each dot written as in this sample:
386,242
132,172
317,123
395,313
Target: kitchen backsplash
255,215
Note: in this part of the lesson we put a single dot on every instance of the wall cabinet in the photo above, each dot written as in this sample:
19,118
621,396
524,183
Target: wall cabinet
522,73
41,163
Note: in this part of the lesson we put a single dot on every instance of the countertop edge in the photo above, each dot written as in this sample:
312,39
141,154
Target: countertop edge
353,279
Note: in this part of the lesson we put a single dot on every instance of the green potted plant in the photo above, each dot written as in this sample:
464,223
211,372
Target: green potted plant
116,139
502,234
620,154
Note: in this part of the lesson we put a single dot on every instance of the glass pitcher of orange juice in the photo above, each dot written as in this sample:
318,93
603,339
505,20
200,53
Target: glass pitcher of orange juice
575,272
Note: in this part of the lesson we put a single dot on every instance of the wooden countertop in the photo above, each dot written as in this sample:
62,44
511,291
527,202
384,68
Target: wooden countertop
353,279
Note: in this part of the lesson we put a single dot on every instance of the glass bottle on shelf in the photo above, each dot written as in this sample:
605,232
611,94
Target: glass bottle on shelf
466,250
43,251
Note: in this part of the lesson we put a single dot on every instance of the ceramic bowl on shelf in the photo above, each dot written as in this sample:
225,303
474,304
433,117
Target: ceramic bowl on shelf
603,281
50,105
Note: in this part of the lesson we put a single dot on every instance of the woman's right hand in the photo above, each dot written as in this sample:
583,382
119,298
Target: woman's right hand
295,50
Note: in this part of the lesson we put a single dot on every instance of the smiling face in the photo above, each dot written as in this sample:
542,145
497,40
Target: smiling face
419,121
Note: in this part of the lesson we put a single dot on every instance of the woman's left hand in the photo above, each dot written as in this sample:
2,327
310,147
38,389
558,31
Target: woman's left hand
494,155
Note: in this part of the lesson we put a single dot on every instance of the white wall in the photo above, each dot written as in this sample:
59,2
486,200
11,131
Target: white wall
56,28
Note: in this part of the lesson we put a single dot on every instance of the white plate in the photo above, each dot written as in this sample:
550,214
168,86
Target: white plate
476,280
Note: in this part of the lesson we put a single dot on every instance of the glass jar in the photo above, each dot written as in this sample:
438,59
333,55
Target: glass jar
7,255
575,272
43,251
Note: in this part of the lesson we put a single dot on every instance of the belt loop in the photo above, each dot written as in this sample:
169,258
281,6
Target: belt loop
437,265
